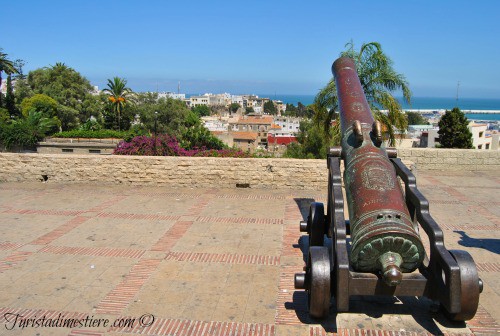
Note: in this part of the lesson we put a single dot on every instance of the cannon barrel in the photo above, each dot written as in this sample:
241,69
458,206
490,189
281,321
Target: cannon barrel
382,232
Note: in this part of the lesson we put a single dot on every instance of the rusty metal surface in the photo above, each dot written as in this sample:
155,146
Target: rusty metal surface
318,279
382,232
452,274
383,226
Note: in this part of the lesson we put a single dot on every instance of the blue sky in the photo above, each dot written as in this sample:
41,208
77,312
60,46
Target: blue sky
257,46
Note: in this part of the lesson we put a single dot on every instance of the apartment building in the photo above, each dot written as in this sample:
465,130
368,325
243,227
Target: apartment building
194,101
254,102
259,124
481,137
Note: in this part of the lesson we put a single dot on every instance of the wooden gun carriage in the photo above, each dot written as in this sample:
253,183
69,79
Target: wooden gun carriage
379,250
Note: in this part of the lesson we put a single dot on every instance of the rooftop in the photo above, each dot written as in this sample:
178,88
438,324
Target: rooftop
253,120
244,135
212,261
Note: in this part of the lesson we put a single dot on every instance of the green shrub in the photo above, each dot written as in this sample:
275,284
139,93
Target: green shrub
26,132
136,130
90,125
99,134
200,137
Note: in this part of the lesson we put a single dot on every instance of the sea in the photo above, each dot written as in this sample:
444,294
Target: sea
421,103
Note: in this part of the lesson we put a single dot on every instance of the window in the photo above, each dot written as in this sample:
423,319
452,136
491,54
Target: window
481,134
480,147
487,146
67,150
94,151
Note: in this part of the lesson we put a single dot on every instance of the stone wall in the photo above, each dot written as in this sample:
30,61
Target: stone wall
451,159
173,171
215,172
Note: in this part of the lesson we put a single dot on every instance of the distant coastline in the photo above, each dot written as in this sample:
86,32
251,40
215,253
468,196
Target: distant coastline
424,103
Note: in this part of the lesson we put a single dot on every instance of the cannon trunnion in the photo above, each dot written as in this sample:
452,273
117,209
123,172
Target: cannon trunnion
379,250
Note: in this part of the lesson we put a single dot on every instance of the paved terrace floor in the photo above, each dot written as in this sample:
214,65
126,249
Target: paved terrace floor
211,261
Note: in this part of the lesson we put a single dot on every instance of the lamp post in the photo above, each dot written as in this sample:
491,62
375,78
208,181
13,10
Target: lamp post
156,124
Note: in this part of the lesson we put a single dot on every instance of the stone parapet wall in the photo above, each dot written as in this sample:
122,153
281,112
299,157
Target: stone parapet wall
173,171
215,172
451,159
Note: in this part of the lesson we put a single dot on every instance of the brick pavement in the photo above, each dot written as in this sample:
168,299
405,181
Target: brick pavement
211,261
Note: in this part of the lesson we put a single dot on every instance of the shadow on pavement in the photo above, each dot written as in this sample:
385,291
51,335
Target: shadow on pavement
303,204
492,245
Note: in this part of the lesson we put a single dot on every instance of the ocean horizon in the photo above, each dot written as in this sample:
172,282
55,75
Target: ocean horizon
420,103
417,103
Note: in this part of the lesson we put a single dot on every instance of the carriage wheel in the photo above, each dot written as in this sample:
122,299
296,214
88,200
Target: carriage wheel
470,287
316,224
318,281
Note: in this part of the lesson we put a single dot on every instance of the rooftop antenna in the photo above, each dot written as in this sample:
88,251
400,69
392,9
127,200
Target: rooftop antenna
458,85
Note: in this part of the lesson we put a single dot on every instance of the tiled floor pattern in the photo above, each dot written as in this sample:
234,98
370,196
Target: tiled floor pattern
211,262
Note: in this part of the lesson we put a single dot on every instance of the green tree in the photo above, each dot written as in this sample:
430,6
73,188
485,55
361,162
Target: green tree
93,106
249,110
378,80
415,118
269,108
301,109
172,117
40,103
67,116
198,136
64,84
146,98
233,108
290,110
119,95
311,144
454,131
22,91
7,66
10,100
201,110
19,64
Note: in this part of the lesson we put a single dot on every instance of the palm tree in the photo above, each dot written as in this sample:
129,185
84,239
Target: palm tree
6,66
119,95
378,79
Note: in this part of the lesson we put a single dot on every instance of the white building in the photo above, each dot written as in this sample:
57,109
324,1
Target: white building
197,100
180,96
415,131
209,99
221,99
215,124
288,126
3,88
480,140
237,100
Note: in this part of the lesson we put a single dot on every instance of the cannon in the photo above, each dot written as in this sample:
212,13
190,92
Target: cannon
379,250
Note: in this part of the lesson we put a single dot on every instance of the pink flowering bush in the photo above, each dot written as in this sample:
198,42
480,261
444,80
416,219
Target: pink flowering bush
166,145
